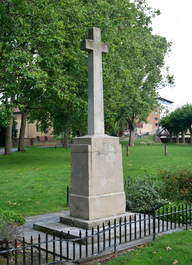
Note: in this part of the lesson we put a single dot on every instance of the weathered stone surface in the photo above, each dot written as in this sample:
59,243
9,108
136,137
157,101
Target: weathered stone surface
96,178
95,48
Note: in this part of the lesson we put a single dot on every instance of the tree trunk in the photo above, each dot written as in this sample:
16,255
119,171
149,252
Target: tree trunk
21,146
170,137
8,140
183,136
131,137
177,139
65,138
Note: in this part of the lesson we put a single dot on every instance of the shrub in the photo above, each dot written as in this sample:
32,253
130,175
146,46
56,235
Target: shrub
177,184
11,216
143,194
9,232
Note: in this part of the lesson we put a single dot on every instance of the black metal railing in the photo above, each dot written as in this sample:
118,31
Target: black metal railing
97,240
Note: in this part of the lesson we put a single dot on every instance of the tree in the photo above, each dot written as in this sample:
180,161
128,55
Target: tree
24,35
47,71
186,120
166,124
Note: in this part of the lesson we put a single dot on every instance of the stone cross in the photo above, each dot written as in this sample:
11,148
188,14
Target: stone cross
95,48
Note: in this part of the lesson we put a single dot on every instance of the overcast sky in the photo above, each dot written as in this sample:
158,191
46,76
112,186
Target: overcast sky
174,23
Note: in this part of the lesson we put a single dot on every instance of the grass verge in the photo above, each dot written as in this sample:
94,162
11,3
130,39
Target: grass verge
172,248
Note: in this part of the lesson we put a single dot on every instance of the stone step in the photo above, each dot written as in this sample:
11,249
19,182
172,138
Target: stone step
74,232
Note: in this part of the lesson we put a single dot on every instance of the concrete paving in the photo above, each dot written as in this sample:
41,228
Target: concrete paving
54,218
74,247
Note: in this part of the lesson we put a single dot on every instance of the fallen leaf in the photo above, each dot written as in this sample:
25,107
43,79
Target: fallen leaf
141,246
37,202
9,202
160,257
37,169
69,180
154,252
185,244
48,190
175,261
168,248
123,261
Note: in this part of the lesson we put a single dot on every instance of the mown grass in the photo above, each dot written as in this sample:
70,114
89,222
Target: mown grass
172,248
35,182
149,159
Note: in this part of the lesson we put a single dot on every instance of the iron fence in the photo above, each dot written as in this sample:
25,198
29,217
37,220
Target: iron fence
97,240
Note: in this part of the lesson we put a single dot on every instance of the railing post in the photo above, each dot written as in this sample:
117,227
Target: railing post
15,252
109,234
32,250
153,223
92,241
67,196
39,247
165,150
115,236
98,242
127,150
67,242
103,236
80,252
23,251
186,217
61,237
46,238
53,246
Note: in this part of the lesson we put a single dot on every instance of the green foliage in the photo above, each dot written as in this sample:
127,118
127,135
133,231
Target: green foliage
9,232
143,194
8,215
45,71
177,184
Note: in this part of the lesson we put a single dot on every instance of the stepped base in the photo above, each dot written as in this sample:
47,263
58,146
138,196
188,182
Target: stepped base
88,224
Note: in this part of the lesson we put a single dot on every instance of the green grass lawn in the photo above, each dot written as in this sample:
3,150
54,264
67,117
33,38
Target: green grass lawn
151,158
35,181
170,249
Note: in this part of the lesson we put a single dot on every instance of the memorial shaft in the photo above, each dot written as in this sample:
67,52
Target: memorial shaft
95,48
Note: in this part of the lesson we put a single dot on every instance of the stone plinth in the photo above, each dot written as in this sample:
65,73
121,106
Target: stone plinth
97,189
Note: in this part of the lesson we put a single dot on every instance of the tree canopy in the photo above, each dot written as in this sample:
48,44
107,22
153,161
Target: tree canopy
44,71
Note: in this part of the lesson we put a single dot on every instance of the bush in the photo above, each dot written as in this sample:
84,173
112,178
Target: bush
9,230
177,184
143,195
11,216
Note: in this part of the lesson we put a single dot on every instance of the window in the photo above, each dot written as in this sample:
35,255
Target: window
156,124
45,138
37,138
156,112
156,118
37,128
